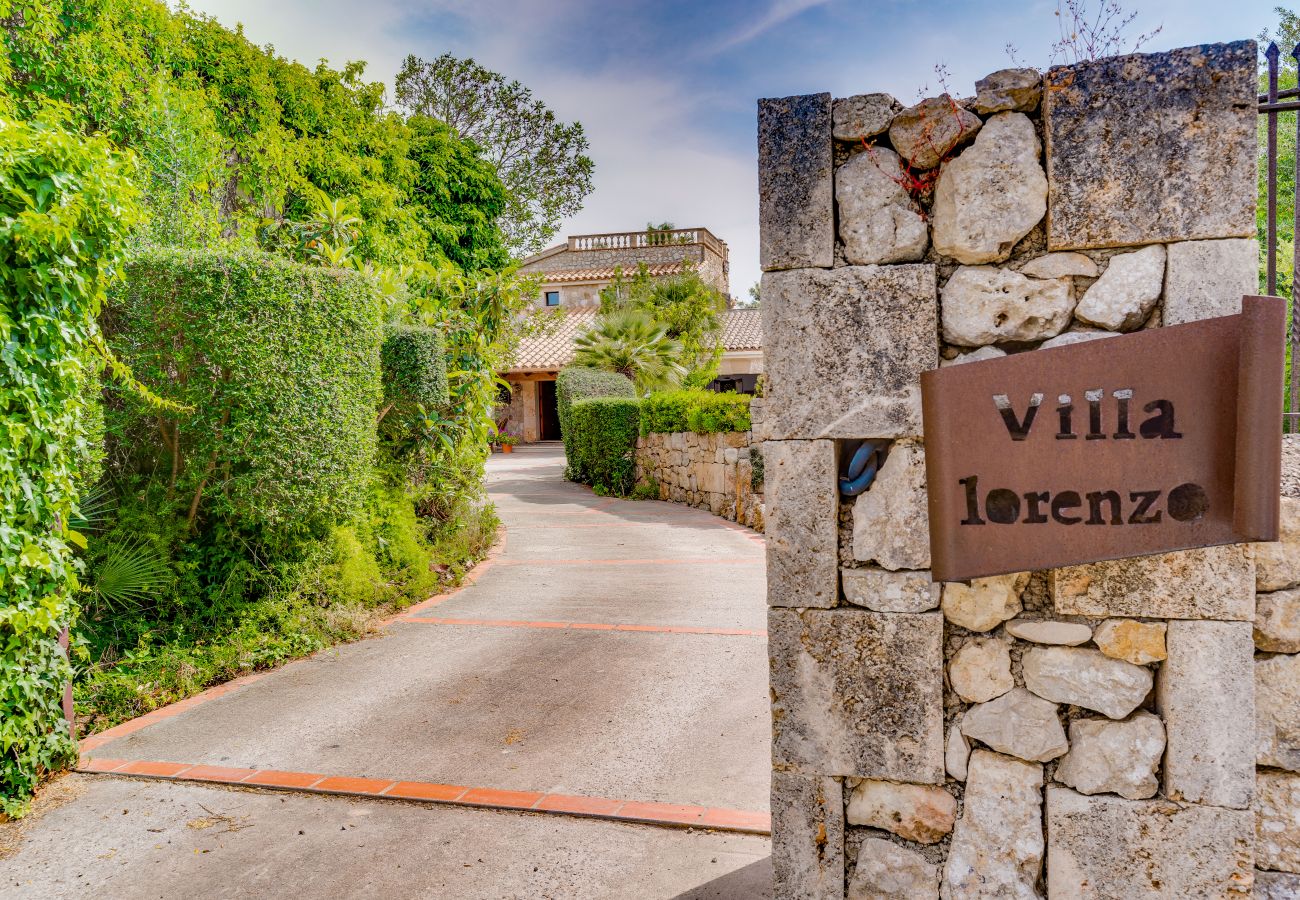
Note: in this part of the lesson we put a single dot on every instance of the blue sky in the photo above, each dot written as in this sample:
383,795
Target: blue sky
666,89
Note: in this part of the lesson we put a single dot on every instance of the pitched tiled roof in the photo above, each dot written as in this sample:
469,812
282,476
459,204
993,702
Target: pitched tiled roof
742,329
606,273
553,349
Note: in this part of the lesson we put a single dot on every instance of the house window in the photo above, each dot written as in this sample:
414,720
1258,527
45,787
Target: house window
552,298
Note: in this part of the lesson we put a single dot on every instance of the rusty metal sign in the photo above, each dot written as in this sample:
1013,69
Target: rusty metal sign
1142,443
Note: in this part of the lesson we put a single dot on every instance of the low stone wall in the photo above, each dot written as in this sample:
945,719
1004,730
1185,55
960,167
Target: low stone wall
707,471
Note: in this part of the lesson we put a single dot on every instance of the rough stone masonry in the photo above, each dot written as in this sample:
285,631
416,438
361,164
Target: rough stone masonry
1125,729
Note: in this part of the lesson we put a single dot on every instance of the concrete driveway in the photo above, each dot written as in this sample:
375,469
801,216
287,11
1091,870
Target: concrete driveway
587,719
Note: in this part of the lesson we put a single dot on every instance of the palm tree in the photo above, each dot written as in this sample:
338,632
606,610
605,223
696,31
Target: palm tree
635,345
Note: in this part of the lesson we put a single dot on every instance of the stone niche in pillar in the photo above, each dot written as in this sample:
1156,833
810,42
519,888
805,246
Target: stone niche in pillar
1086,731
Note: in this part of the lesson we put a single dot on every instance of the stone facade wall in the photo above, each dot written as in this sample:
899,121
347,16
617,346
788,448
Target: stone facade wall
1091,731
707,471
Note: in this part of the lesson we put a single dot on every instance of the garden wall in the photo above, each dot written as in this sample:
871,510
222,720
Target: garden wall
708,471
1089,731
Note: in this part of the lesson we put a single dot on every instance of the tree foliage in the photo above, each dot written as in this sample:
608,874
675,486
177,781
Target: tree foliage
541,159
689,308
236,141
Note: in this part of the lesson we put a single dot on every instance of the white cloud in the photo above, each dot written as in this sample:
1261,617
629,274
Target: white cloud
780,11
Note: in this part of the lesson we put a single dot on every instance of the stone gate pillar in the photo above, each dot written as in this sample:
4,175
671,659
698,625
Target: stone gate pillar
1082,732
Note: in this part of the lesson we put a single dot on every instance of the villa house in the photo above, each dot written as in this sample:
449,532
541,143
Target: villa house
573,274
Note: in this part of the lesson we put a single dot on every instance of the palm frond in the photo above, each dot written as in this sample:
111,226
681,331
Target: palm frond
93,508
129,573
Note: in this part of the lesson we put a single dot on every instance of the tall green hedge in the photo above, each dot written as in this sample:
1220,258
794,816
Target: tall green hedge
704,412
66,204
602,442
281,365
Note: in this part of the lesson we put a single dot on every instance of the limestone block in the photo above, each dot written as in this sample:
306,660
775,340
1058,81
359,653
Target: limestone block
993,194
1277,563
1277,822
845,350
1207,583
1114,757
1206,279
807,836
857,693
997,845
1086,678
1008,89
801,523
1019,724
1106,846
981,670
985,305
1276,885
886,871
879,221
1132,641
1206,694
906,592
924,134
1069,634
1123,297
891,521
1060,265
1277,622
917,812
795,218
985,603
957,755
979,355
1152,147
1074,337
1277,712
862,116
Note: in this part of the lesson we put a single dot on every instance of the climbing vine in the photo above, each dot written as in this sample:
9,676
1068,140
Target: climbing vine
66,204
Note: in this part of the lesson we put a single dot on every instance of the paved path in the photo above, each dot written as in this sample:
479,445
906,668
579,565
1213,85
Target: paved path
610,662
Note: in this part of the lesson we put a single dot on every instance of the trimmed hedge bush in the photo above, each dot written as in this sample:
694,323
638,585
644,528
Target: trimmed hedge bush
704,412
602,442
281,365
579,383
415,367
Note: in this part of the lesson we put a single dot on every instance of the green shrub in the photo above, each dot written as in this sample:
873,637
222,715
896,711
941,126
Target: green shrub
603,433
66,205
280,364
578,383
415,367
704,412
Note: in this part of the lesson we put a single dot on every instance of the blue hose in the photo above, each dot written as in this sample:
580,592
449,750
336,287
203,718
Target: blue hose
862,468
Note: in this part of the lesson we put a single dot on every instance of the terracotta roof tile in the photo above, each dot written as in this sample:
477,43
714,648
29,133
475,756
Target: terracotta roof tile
742,329
607,272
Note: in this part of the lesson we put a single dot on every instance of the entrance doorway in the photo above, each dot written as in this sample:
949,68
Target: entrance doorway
548,412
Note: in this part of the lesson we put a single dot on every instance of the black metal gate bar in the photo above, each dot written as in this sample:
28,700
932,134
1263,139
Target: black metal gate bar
1271,104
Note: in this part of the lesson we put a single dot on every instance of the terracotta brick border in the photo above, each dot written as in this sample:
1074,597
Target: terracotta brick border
671,815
